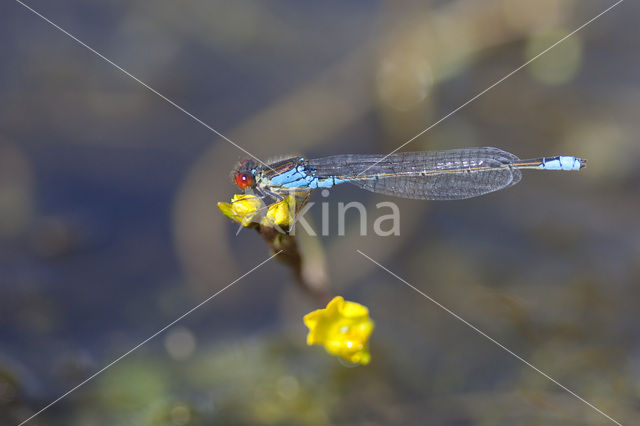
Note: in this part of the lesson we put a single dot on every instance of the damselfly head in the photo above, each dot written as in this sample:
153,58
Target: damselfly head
243,174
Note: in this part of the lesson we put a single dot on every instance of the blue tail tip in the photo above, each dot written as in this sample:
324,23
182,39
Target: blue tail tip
583,163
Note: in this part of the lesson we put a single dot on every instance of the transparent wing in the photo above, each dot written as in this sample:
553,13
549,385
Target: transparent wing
430,175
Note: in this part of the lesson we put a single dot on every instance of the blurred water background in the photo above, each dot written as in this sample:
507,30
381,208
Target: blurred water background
109,228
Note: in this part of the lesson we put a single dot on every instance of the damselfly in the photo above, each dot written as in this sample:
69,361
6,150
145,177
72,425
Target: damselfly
429,175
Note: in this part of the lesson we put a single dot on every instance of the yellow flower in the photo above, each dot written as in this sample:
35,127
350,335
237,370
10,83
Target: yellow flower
281,213
244,208
343,328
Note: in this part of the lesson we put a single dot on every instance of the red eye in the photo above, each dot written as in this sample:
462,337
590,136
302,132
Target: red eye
244,180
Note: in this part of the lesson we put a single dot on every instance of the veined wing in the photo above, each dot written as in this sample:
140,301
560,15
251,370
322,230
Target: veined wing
431,175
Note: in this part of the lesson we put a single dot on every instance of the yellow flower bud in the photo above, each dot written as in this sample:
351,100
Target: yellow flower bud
241,209
245,208
281,213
